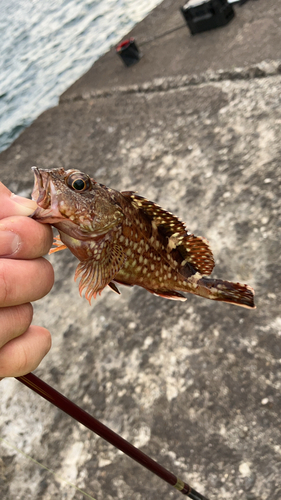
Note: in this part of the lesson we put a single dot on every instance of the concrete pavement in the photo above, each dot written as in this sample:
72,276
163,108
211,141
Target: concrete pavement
196,385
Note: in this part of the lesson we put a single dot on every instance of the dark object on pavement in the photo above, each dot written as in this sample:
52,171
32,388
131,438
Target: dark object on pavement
203,15
129,52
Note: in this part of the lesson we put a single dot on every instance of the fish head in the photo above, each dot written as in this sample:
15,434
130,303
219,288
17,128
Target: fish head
73,202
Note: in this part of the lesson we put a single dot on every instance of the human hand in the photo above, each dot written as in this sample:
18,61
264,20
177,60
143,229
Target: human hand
24,277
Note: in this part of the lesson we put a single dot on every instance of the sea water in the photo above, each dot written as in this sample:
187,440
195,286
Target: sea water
47,45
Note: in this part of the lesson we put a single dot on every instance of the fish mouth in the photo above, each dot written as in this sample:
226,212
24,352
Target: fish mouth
44,193
39,190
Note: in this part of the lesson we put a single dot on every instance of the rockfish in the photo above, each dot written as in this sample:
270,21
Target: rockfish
120,237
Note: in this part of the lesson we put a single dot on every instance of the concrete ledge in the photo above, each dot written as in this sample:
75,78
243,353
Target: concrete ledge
261,70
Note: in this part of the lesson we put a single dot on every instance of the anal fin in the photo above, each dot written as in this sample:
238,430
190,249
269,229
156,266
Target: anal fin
171,294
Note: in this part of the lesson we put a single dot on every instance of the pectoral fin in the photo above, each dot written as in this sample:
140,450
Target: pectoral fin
58,245
95,275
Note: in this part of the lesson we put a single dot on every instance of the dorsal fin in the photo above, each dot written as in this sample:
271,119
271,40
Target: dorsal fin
191,252
195,250
167,223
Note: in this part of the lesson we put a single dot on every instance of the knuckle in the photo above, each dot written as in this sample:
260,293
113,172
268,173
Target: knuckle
23,315
22,364
4,283
44,238
49,274
47,339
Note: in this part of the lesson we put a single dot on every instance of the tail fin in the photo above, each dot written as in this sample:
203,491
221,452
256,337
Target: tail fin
234,293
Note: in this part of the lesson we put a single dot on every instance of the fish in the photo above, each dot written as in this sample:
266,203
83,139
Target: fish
123,238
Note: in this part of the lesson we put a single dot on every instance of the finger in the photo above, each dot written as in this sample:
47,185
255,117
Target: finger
24,238
12,204
23,354
14,321
24,281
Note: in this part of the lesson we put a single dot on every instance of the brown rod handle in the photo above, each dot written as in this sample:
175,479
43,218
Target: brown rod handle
57,399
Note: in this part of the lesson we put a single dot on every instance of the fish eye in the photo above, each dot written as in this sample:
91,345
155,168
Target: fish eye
79,182
79,185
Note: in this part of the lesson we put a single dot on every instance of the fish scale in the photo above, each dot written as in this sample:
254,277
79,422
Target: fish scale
123,238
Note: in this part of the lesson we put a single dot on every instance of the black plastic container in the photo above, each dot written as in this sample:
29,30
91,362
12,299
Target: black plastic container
203,15
129,52
239,2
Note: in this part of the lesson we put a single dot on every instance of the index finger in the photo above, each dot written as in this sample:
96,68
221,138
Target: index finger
11,204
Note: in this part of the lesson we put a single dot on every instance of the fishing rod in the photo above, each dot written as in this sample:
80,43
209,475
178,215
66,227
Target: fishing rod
57,399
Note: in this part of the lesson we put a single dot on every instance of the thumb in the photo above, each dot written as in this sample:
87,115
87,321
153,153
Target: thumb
11,204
